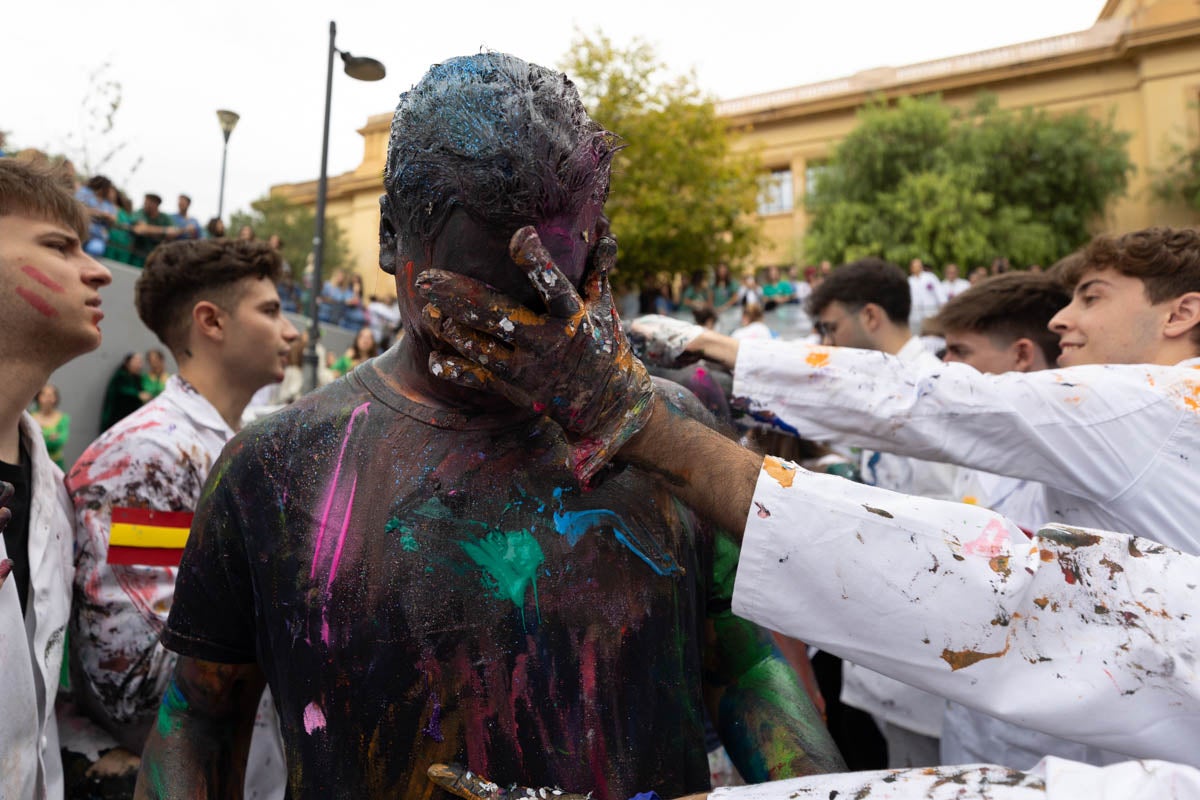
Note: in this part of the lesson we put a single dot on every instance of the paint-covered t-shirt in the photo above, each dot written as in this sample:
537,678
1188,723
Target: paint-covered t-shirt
424,586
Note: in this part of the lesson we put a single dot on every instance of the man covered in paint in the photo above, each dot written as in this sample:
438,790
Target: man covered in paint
414,568
215,305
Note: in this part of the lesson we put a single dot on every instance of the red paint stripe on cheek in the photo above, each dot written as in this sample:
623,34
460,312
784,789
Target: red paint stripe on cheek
39,305
42,278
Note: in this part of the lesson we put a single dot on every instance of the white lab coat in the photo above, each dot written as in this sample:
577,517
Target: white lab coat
31,648
928,296
1052,779
1082,634
886,699
1114,446
970,736
157,458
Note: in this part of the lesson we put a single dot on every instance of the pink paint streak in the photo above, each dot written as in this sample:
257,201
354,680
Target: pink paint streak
337,554
991,543
314,718
333,487
42,278
39,305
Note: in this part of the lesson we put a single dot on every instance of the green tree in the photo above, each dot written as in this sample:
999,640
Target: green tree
1179,181
294,224
680,199
920,180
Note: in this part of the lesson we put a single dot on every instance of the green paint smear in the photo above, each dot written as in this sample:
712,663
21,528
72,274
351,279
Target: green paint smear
170,711
408,539
771,729
510,561
154,774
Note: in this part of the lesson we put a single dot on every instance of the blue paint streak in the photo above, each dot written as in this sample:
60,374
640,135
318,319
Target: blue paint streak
575,524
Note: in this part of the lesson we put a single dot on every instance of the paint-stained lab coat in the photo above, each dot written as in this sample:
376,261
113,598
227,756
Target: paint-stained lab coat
1115,446
31,648
884,698
1052,779
156,458
970,736
1083,634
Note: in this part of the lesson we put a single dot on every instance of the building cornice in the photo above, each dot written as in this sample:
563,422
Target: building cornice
1106,41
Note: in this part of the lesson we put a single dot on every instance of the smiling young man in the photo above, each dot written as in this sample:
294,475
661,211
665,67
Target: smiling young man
214,304
51,313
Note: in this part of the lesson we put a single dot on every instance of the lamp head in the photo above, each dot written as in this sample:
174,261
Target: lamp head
229,120
363,68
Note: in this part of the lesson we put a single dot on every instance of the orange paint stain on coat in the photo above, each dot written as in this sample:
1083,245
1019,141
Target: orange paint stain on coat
817,358
961,659
782,473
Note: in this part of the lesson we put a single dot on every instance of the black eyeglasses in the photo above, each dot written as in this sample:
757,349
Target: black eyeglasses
826,330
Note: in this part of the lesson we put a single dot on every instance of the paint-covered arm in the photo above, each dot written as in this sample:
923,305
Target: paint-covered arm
1068,429
713,475
199,744
1082,634
765,719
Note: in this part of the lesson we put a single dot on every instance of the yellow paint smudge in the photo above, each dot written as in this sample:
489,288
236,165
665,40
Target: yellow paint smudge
783,474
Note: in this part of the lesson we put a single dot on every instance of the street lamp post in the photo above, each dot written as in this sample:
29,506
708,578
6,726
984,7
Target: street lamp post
363,69
228,120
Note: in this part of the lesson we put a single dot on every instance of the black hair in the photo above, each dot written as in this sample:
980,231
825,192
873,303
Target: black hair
507,141
868,280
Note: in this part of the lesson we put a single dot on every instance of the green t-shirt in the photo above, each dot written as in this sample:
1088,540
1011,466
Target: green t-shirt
55,437
153,386
142,245
120,238
778,289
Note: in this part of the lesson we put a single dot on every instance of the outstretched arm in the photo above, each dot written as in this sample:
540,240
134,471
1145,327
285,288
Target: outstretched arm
708,472
199,745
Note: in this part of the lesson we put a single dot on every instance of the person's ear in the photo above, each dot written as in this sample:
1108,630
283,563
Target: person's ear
208,320
1024,355
389,258
1184,317
872,316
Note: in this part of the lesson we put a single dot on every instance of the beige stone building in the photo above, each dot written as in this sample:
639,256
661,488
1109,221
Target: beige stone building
1140,62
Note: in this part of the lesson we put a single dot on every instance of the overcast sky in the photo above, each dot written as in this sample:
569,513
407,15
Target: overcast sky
265,60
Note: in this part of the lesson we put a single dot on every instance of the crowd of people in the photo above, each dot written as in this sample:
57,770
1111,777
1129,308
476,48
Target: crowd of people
862,562
776,298
119,232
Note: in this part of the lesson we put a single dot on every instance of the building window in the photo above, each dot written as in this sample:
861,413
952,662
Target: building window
775,192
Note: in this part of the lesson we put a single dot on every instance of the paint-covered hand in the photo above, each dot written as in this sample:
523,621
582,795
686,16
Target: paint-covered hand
573,364
461,782
664,340
6,493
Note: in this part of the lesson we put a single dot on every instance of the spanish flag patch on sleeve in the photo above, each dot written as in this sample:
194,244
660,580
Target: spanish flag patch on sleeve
142,537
